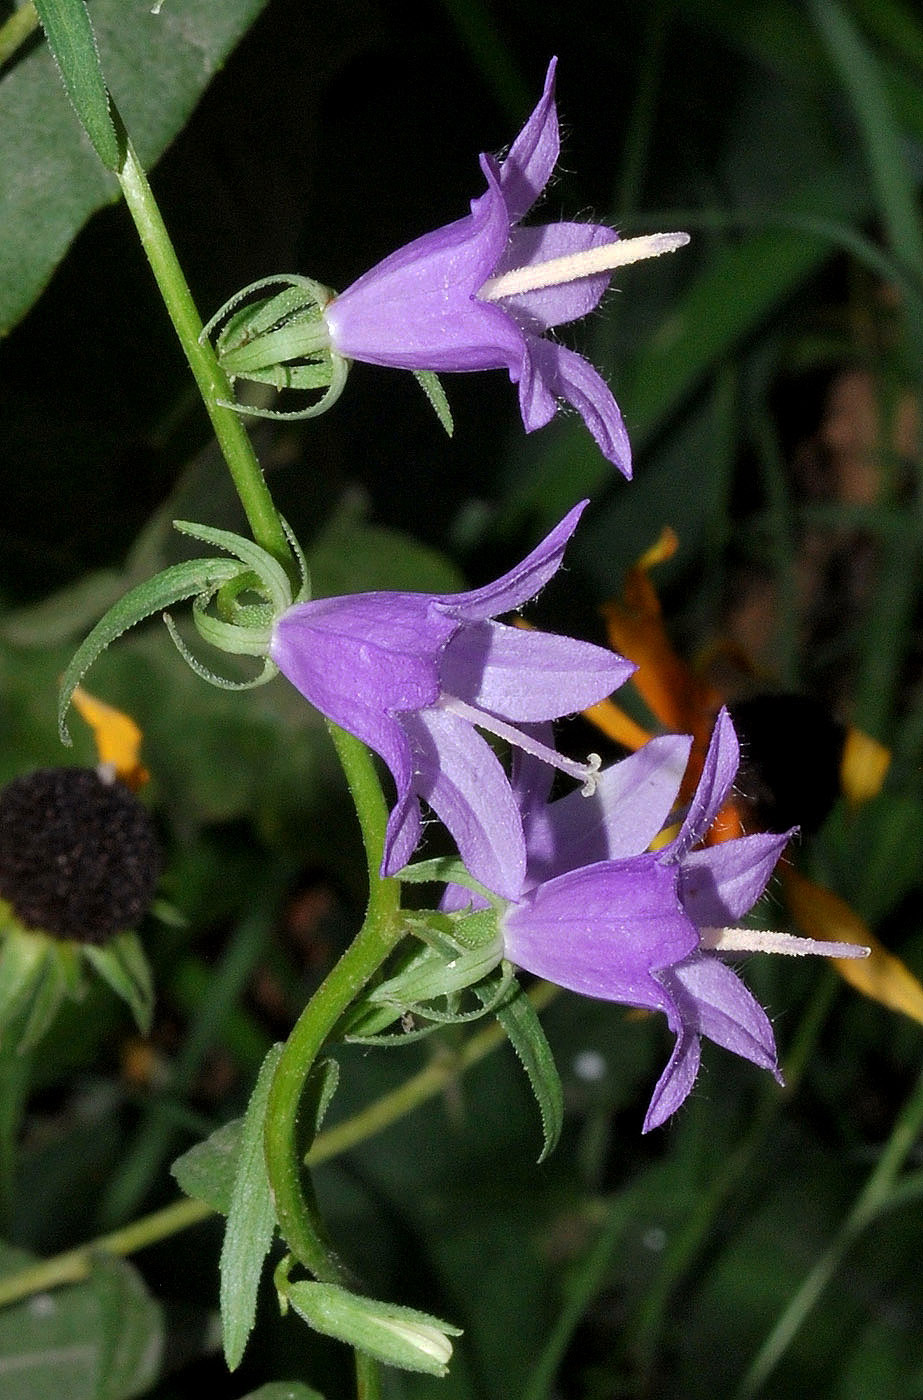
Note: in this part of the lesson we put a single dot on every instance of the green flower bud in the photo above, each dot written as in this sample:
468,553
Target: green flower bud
403,1337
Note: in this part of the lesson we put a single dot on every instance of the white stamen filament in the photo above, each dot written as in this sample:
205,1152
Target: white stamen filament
585,773
572,266
752,940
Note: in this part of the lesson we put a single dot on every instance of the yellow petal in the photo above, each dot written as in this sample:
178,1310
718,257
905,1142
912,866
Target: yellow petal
881,976
863,767
118,738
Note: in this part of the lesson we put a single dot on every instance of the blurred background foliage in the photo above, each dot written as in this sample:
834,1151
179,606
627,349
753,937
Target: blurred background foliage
770,376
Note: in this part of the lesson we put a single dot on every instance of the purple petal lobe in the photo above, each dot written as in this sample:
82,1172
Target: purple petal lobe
403,832
525,675
713,1000
675,1084
632,801
602,930
532,156
553,306
720,884
570,377
522,582
461,778
718,773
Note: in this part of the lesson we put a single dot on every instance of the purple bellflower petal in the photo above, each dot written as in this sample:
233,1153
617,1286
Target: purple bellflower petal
713,1000
437,303
603,930
412,674
631,803
721,883
603,915
461,778
718,772
527,676
533,156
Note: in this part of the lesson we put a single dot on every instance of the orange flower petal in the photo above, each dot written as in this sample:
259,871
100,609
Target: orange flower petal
882,976
118,738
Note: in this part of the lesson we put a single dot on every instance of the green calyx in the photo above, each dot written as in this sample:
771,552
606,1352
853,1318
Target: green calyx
235,603
38,972
280,340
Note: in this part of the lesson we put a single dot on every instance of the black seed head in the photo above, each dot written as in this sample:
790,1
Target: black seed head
78,856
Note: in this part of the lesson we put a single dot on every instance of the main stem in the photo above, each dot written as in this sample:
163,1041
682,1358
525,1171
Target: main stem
296,1209
213,383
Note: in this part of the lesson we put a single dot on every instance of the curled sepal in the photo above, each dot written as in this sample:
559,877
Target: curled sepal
280,340
153,596
402,1337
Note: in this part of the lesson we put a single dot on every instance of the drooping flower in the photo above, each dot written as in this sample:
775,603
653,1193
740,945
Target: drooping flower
412,674
603,916
482,292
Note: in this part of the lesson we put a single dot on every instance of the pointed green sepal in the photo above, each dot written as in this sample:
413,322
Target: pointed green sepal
123,964
431,385
518,1018
153,596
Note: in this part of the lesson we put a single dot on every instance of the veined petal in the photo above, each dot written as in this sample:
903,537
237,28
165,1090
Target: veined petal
713,1000
570,377
718,772
721,884
675,1084
525,675
417,308
460,777
602,931
532,157
569,301
521,583
377,649
632,801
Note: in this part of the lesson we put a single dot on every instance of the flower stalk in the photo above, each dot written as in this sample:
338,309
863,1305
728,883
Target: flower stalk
296,1210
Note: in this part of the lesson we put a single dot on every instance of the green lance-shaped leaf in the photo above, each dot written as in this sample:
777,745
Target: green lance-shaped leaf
518,1018
153,596
251,1223
72,42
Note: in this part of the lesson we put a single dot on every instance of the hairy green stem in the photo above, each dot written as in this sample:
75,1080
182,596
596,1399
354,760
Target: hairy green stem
212,382
381,930
74,1265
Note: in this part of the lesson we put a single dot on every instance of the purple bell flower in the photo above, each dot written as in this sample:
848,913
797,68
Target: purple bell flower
604,916
412,674
482,292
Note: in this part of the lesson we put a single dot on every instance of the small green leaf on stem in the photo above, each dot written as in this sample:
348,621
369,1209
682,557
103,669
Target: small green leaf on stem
72,43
